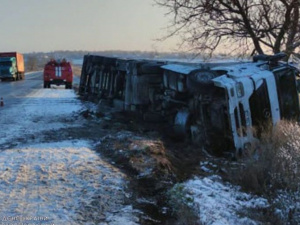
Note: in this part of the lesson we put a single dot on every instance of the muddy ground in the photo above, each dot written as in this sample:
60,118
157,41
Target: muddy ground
81,163
77,162
150,163
149,155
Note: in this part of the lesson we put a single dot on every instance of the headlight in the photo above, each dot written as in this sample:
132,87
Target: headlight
239,89
247,116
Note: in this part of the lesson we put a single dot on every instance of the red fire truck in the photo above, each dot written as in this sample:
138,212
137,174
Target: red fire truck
59,73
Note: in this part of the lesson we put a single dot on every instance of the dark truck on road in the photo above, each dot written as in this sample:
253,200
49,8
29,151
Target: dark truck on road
11,66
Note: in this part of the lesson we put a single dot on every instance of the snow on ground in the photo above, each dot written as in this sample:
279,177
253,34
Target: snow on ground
61,182
58,181
42,110
220,203
66,182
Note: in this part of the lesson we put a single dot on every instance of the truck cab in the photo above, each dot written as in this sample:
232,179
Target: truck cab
8,67
252,101
230,105
258,94
11,66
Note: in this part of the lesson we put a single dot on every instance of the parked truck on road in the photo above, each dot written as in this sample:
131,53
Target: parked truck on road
11,66
59,73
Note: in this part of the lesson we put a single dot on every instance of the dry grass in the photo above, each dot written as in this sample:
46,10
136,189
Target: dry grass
277,163
156,150
76,70
275,172
182,206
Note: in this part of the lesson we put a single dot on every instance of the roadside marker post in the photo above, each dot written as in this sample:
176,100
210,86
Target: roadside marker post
1,102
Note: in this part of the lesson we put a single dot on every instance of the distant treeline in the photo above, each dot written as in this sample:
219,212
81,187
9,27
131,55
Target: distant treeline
36,60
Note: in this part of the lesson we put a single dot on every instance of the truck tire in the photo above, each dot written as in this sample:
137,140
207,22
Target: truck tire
45,85
182,123
200,80
68,85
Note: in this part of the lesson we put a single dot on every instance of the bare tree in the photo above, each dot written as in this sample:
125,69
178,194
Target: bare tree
262,26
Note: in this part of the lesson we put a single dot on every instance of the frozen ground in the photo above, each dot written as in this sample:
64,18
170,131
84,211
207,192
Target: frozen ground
61,182
219,203
44,109
64,181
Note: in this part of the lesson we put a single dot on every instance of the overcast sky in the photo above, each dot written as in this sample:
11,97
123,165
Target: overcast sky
48,25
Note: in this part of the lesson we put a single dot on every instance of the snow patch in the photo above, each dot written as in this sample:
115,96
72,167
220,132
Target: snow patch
65,181
41,110
220,203
68,183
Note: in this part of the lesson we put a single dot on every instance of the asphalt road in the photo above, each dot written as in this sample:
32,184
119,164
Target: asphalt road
14,92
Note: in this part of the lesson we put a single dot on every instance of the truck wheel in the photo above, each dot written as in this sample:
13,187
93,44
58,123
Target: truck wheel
68,86
45,85
200,80
182,123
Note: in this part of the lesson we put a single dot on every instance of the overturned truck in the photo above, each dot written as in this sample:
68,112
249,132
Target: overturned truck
220,105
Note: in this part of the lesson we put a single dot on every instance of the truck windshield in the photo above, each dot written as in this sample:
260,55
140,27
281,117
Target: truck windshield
287,93
6,63
260,108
